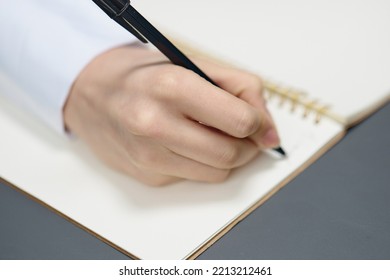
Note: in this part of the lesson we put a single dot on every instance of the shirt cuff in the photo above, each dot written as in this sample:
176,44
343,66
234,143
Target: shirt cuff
45,53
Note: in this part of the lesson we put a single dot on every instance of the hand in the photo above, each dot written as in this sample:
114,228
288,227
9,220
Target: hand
159,122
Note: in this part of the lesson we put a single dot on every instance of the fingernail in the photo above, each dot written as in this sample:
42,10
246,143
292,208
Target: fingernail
271,138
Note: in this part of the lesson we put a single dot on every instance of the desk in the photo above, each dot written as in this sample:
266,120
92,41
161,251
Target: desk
338,208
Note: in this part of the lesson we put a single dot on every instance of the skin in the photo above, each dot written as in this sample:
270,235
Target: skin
161,123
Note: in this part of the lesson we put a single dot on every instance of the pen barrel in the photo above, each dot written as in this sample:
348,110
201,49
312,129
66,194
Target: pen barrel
162,43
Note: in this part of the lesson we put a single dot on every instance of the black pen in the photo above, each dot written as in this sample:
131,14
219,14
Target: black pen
129,18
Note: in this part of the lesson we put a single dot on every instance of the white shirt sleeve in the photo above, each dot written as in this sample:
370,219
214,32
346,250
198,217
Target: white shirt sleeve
44,46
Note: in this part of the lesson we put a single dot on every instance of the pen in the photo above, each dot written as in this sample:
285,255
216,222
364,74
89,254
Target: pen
129,18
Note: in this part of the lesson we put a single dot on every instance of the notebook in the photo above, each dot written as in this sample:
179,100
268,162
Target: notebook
325,67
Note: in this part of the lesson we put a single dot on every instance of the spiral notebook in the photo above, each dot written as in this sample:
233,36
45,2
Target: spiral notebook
321,77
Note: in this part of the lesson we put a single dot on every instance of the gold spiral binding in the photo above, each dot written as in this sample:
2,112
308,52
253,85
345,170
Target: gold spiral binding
296,98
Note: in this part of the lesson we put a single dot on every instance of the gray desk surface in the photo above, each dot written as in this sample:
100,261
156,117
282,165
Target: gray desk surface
338,208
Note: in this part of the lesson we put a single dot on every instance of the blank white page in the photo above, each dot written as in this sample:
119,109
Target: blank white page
336,51
150,223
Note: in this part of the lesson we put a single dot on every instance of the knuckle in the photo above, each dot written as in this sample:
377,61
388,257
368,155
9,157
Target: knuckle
255,82
219,176
146,160
247,123
146,123
228,157
159,180
166,82
151,178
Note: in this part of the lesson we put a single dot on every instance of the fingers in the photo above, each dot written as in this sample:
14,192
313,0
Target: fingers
179,147
209,146
141,174
240,114
165,165
154,164
247,87
239,110
201,101
187,138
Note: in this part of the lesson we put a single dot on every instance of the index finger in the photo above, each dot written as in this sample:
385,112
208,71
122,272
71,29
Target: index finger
213,106
248,87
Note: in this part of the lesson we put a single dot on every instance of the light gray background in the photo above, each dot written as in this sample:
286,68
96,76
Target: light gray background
338,208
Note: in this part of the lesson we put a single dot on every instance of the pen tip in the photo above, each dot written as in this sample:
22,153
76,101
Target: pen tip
280,151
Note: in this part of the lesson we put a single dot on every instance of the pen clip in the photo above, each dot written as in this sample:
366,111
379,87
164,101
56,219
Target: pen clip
116,14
